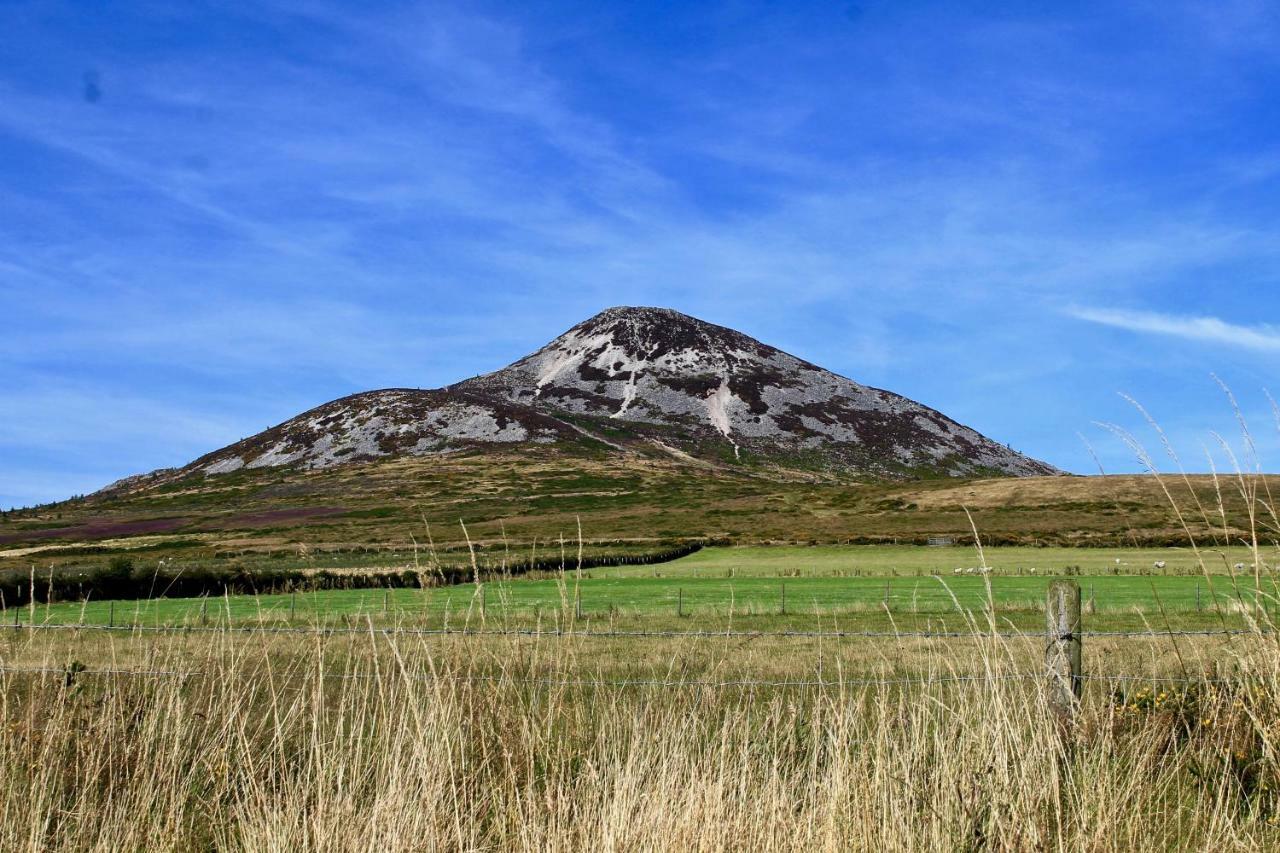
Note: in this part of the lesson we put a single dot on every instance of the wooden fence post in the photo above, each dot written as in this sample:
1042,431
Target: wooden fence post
1063,647
784,599
680,601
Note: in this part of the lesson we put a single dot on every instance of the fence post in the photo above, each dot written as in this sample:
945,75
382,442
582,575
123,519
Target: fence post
1197,597
1063,647
784,598
577,603
111,618
680,601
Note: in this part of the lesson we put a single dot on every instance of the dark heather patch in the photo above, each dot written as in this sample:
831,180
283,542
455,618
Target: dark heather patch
591,373
694,386
750,388
392,442
99,529
561,392
274,516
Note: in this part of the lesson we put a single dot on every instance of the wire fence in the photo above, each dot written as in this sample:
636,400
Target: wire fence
70,674
64,672
1063,673
573,632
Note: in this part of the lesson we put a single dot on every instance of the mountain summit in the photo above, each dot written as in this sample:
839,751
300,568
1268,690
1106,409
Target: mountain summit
644,380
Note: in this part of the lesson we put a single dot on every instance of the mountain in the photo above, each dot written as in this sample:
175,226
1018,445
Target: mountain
642,381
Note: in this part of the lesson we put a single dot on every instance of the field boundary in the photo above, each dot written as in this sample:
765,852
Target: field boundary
536,633
70,673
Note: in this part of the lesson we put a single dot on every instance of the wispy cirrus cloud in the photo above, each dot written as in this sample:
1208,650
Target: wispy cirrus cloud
1211,330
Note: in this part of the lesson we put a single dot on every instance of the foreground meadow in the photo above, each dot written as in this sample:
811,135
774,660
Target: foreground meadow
376,740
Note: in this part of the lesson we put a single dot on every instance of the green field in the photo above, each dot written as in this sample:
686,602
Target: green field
762,587
886,560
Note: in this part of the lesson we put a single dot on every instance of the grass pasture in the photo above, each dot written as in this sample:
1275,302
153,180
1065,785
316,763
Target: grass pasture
760,588
915,560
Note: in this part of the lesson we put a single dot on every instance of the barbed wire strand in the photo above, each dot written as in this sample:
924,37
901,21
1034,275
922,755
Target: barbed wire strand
539,633
72,673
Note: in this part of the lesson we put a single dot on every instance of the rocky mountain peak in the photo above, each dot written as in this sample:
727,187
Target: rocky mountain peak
707,384
640,379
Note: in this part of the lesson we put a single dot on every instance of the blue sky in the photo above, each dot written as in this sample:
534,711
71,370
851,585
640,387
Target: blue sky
214,216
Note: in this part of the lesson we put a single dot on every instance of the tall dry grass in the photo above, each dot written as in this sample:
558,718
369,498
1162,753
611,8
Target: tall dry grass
388,743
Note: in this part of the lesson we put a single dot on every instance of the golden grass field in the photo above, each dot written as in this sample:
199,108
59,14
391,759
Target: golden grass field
376,741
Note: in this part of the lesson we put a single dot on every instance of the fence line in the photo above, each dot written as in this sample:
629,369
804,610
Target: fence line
1159,679
922,681
541,681
540,633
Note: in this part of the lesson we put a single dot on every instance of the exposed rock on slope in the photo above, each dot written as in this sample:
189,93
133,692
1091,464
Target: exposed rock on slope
642,378
659,368
377,424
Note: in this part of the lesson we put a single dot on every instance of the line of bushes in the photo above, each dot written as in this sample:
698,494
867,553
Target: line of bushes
121,578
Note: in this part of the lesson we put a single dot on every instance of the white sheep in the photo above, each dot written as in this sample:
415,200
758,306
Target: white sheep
1159,564
957,571
1033,570
1239,567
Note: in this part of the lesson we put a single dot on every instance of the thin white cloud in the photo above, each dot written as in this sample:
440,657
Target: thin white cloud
1205,329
